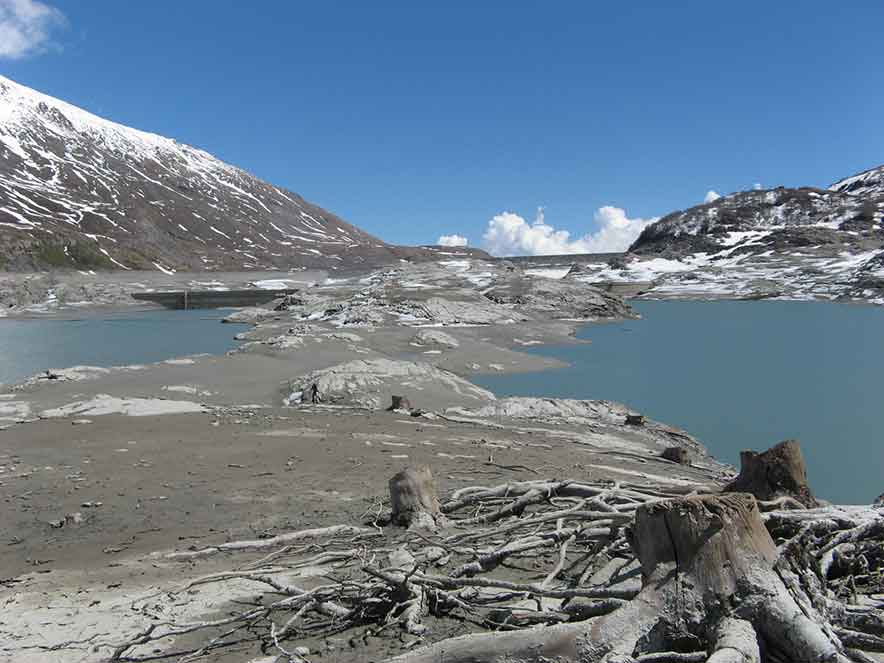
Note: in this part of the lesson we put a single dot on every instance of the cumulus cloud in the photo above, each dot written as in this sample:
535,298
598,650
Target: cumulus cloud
711,196
509,234
452,240
25,27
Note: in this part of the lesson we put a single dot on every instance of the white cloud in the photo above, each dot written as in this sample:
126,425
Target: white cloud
757,186
25,26
711,196
452,240
509,234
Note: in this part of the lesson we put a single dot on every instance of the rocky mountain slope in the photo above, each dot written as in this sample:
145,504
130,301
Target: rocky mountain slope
803,243
80,191
848,215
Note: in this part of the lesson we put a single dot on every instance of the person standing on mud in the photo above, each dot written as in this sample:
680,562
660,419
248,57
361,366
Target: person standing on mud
314,393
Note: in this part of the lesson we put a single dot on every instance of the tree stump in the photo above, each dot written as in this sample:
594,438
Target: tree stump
399,403
678,455
709,585
777,472
413,499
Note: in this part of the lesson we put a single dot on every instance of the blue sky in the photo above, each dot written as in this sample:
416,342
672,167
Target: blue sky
414,120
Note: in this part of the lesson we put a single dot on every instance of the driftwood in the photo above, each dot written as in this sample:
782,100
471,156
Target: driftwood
709,584
559,571
777,472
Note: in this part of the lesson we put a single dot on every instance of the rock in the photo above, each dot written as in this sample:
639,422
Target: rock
550,409
559,299
72,374
635,420
777,472
81,422
70,520
434,337
349,337
371,383
880,500
619,262
287,302
478,311
251,315
285,342
602,422
676,455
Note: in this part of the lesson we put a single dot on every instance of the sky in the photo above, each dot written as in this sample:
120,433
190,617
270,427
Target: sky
520,127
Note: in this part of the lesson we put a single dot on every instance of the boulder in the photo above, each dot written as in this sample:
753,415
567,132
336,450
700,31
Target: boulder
435,337
371,383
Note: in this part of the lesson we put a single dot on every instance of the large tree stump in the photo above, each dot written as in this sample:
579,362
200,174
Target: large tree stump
777,472
709,585
413,499
678,455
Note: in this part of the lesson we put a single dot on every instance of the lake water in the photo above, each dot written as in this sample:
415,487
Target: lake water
28,346
742,375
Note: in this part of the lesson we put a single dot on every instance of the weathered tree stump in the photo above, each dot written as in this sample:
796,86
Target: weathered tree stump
777,472
710,588
413,499
678,455
399,403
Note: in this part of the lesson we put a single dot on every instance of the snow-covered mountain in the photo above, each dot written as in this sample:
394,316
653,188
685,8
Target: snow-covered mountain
869,183
77,190
849,216
804,243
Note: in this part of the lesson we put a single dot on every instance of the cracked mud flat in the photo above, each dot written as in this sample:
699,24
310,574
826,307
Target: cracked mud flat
184,456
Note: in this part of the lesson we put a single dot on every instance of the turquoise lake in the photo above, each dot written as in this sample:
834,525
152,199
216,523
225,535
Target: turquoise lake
28,346
740,375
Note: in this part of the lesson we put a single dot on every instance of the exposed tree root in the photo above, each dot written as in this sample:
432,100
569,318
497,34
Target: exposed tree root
558,571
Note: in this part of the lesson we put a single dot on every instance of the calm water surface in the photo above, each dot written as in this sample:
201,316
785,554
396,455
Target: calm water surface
742,375
33,345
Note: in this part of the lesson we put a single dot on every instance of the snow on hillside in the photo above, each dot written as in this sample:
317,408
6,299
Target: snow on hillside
79,190
867,183
791,243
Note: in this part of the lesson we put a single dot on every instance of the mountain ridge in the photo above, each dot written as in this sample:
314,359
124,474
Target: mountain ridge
80,191
849,213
